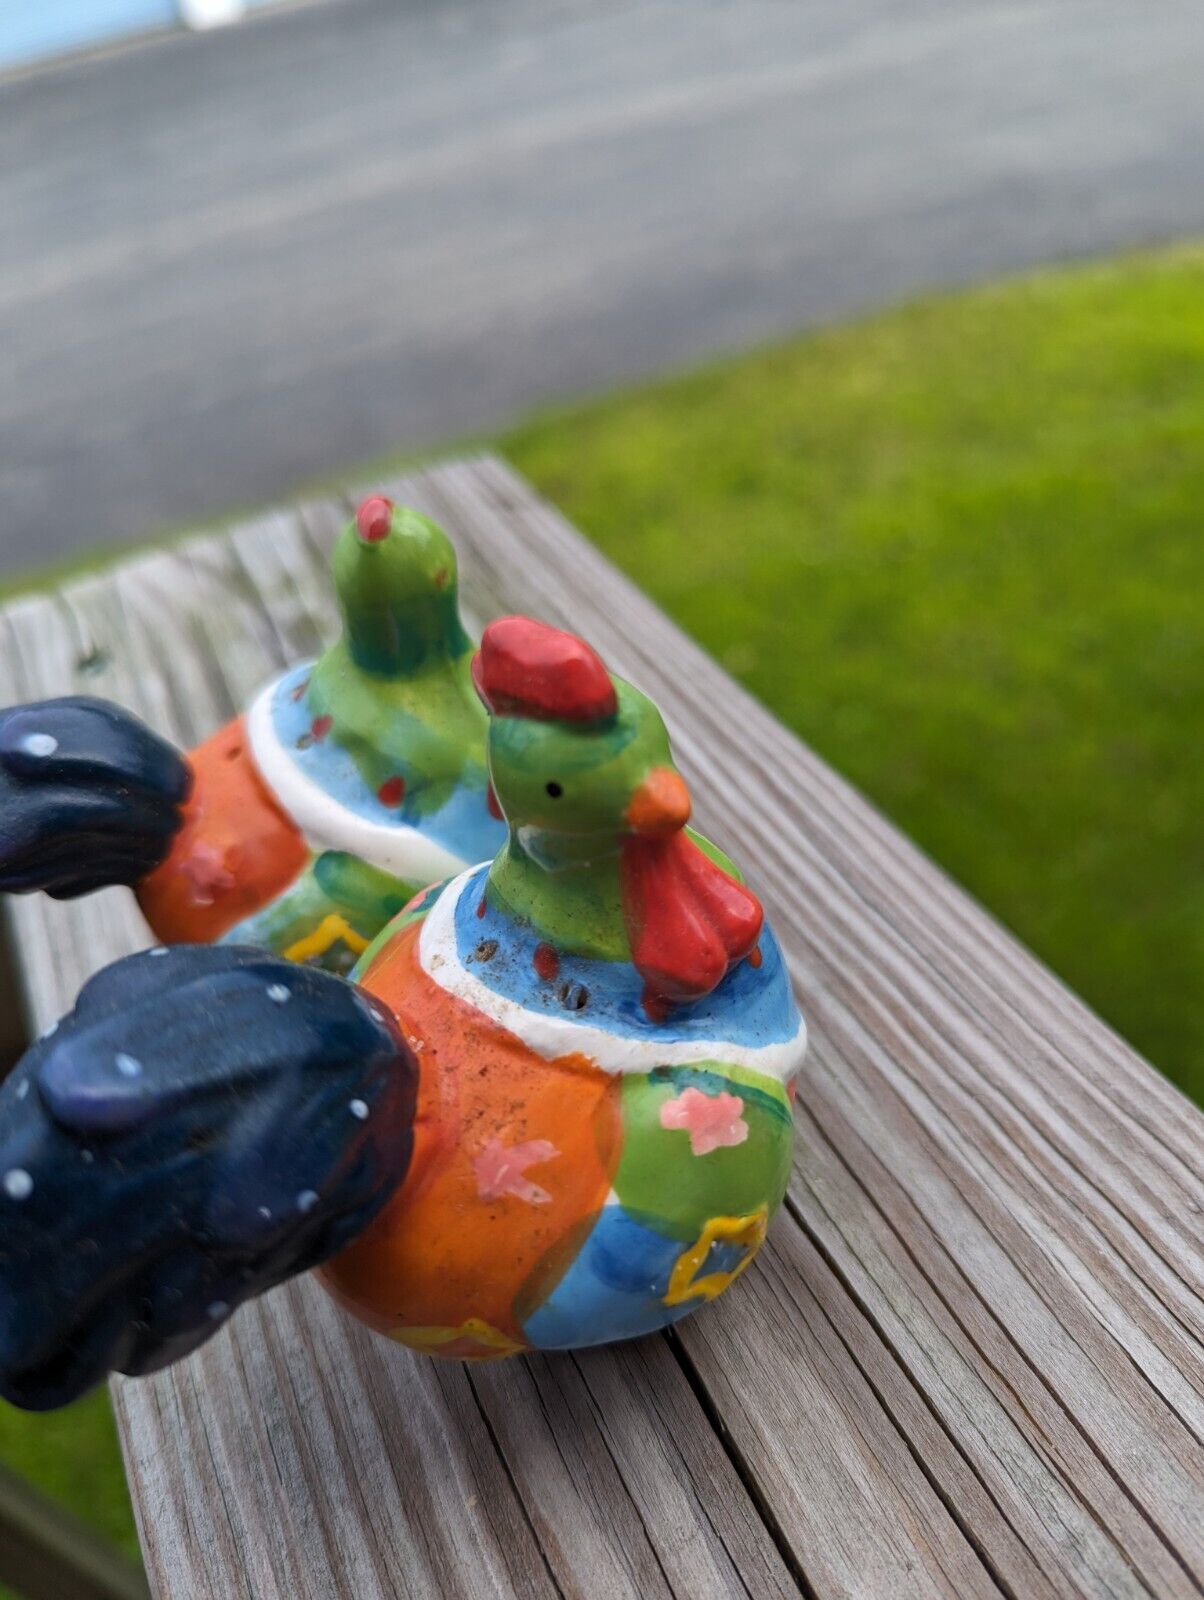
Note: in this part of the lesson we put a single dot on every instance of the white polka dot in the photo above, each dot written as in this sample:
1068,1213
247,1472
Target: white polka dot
266,1213
306,1200
359,1108
18,1185
87,1157
159,950
39,744
128,1066
279,993
51,1031
217,1310
22,1088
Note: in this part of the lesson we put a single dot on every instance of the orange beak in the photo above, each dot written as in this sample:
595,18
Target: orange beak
660,806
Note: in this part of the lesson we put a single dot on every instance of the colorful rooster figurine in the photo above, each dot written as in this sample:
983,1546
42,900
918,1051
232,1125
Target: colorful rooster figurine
551,1108
305,825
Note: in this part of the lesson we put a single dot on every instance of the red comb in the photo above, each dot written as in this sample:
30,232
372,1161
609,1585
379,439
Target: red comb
526,669
374,518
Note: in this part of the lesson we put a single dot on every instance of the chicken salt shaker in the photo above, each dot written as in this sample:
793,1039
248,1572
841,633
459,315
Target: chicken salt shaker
304,826
551,1107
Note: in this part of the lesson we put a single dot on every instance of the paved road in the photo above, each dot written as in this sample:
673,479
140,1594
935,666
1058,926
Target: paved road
231,263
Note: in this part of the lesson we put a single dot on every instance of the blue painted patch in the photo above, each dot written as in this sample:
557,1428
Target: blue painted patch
614,1289
753,1006
462,826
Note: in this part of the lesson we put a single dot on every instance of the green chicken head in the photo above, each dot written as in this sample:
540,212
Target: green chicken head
395,575
573,753
395,690
599,859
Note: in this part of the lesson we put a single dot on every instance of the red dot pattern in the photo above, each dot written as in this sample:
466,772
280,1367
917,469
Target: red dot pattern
392,791
546,962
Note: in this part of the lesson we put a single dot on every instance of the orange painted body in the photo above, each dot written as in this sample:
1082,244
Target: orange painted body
235,853
486,1220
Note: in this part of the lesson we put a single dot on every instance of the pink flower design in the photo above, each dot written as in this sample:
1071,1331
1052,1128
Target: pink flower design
207,872
499,1171
712,1121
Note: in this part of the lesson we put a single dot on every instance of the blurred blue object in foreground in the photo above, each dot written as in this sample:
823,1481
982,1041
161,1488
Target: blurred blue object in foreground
157,1170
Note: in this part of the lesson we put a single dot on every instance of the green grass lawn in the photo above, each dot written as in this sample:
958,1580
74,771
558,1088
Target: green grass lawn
73,1456
959,548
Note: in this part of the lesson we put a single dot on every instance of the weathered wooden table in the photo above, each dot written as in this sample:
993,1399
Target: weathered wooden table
968,1363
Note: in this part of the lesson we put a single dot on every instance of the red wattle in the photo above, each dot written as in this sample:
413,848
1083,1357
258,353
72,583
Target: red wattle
688,922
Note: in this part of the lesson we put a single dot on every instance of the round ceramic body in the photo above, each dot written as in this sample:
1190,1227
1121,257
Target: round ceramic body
579,1174
285,845
315,779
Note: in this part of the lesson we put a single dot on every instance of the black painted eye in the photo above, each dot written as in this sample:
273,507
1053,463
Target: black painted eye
555,790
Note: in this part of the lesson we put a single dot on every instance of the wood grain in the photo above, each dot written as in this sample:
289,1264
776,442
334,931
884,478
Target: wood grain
969,1361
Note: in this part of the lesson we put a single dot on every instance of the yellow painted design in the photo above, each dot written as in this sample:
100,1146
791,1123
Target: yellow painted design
328,932
684,1282
495,1343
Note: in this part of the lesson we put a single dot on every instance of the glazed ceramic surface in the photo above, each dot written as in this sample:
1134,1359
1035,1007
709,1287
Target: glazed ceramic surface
579,1175
353,780
551,1108
607,1045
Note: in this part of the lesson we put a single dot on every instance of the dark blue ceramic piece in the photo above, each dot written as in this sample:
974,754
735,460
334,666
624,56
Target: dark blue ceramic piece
207,1122
89,796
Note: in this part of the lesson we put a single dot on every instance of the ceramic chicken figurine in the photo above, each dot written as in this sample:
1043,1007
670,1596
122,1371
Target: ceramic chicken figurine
551,1109
305,825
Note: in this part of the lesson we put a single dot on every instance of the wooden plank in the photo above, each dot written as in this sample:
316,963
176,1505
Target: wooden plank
977,1331
45,1554
979,1120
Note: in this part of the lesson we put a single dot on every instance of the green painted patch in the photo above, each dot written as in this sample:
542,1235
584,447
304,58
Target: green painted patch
333,884
664,1185
399,923
397,686
427,728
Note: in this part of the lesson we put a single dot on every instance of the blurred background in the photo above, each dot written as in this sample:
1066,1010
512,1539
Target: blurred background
868,335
